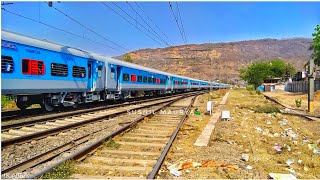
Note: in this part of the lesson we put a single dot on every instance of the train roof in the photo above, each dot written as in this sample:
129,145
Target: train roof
22,39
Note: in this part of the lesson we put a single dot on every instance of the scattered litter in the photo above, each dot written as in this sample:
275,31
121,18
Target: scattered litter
295,142
175,172
292,134
244,136
299,161
312,146
305,168
249,167
289,162
269,123
187,172
316,151
278,148
245,157
258,129
212,163
284,134
287,109
276,135
292,171
279,176
178,148
287,146
284,122
231,167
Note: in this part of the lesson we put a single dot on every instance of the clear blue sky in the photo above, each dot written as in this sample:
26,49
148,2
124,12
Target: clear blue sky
203,22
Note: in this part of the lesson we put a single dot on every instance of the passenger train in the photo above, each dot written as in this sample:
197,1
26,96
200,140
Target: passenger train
40,72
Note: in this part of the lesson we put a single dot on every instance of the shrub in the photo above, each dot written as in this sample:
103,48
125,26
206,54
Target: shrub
250,87
298,103
267,109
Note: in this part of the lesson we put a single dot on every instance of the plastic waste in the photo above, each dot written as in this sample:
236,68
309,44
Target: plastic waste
175,172
258,129
316,151
231,167
276,135
299,161
212,163
245,157
278,148
289,162
279,176
249,167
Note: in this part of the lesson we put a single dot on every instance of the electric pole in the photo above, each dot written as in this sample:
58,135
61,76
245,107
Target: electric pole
311,86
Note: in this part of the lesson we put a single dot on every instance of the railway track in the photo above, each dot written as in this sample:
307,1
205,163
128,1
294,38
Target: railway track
29,114
43,127
84,139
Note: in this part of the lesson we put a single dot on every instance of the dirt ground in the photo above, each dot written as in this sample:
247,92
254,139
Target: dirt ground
247,134
289,98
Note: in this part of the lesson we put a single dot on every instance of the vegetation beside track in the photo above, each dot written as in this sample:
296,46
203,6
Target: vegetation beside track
63,171
252,133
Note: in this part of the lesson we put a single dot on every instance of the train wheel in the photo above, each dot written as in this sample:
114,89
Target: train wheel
47,106
22,106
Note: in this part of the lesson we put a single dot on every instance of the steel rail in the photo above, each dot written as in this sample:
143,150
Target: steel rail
84,151
43,119
56,130
164,153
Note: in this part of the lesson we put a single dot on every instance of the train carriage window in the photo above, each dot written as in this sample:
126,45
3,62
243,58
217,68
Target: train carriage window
125,77
6,64
145,79
112,75
78,72
139,78
133,78
149,79
161,81
32,67
164,81
59,69
153,80
99,71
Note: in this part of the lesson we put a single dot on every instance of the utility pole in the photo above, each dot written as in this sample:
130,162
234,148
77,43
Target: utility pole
311,86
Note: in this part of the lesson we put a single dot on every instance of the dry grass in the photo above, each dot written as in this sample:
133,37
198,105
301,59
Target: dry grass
231,139
264,159
288,98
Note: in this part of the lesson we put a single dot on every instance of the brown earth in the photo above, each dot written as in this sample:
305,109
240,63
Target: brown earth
248,133
227,58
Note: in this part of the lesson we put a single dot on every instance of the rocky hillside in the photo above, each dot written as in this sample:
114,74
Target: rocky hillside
222,60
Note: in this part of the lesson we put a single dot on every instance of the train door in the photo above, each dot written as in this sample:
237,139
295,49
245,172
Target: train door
113,76
90,75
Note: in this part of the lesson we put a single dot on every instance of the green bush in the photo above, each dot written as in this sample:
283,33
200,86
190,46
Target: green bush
267,109
258,92
298,103
250,87
63,171
5,100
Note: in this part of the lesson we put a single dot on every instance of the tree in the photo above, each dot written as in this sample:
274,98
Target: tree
255,73
289,71
315,46
127,58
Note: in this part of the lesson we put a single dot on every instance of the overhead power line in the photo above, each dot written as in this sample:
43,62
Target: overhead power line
62,30
89,28
177,22
131,22
148,24
153,22
182,27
